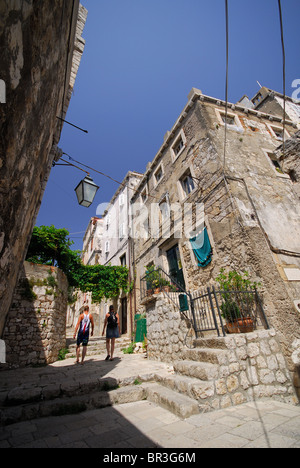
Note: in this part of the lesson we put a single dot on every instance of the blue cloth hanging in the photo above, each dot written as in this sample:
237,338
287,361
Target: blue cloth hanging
202,248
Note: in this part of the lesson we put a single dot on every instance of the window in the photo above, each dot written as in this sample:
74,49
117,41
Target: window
123,260
277,132
107,221
107,247
231,120
178,145
293,175
275,164
144,195
274,161
165,210
122,199
158,175
257,99
122,231
187,184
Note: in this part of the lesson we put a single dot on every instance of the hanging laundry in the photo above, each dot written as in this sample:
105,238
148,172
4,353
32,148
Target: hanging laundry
202,248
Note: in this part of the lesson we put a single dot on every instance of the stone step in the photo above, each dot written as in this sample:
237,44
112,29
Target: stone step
180,405
96,346
71,405
213,342
209,355
93,351
71,344
199,370
199,390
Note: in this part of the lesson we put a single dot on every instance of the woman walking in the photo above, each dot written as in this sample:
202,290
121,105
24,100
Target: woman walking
83,327
112,322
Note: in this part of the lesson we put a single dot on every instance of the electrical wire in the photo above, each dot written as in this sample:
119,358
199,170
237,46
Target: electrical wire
122,184
226,84
70,164
283,76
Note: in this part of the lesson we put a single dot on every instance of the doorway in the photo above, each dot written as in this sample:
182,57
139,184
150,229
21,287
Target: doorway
124,315
175,266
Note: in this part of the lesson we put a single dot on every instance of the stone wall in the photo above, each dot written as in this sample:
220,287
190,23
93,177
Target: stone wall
36,63
251,365
166,331
35,329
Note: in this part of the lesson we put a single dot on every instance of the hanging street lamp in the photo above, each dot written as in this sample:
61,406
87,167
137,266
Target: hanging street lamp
86,191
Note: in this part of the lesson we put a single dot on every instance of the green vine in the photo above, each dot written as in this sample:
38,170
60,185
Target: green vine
51,246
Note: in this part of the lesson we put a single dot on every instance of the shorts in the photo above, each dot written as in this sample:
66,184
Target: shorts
82,339
112,332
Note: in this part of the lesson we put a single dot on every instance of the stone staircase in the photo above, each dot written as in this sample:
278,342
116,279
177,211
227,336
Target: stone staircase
217,373
225,371
194,385
96,345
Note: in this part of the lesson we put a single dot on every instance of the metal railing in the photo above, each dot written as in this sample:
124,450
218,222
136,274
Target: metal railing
212,309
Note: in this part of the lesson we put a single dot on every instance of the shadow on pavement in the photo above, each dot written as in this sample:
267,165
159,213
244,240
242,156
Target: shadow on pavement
66,404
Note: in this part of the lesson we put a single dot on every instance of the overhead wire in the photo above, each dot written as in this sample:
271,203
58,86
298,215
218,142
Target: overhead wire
122,184
283,77
226,84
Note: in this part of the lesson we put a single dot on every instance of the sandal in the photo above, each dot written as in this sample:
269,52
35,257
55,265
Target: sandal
107,357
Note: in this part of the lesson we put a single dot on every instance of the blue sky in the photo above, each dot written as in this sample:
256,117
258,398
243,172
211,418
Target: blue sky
142,58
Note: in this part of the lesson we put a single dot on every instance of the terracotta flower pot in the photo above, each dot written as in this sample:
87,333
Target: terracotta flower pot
232,327
246,325
242,325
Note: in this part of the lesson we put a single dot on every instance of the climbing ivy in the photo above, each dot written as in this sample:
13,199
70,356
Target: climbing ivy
51,246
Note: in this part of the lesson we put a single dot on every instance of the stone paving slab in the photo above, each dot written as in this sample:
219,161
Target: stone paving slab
142,424
265,424
66,375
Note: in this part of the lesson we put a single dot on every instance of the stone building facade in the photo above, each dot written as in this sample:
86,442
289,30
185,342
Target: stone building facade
107,241
271,102
35,331
288,155
41,48
249,205
117,247
91,254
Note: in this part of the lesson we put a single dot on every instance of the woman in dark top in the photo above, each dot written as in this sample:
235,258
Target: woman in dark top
112,322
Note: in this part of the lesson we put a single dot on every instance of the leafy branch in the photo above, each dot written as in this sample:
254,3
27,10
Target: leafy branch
51,246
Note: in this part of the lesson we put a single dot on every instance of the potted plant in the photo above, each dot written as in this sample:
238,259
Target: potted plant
152,280
165,285
236,291
231,314
149,273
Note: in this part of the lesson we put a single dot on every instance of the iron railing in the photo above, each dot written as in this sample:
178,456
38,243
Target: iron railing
211,309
